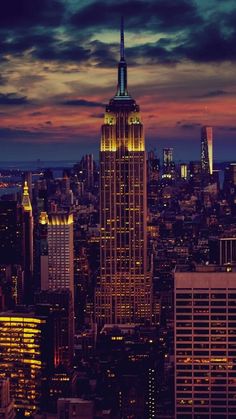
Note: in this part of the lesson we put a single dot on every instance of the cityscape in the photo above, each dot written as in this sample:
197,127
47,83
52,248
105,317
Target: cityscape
117,268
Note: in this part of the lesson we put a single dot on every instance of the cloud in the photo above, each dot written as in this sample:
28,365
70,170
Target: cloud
188,125
27,13
82,102
12,99
151,15
211,94
37,113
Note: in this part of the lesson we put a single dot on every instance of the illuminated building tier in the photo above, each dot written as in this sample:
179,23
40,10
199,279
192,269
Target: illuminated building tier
207,150
24,353
124,292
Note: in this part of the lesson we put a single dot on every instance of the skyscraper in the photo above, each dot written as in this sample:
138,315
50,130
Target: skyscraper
167,156
205,356
27,347
28,226
124,292
207,150
57,252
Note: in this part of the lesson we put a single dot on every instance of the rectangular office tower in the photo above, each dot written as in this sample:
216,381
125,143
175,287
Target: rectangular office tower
26,356
123,294
57,251
205,343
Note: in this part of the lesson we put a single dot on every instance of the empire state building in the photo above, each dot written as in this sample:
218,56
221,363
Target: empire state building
123,294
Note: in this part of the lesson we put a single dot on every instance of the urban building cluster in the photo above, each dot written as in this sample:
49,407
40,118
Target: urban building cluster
118,282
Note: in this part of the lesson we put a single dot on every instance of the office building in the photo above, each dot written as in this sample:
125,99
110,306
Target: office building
123,294
207,150
222,250
27,241
57,252
183,171
167,157
61,303
10,233
27,343
205,352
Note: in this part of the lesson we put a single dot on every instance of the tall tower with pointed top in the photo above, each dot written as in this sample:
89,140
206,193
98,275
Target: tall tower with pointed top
123,294
207,150
27,244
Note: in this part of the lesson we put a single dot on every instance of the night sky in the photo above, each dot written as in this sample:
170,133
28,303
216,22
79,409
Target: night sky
59,67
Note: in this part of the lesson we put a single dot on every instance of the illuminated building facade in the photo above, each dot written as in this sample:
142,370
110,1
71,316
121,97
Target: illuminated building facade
183,171
167,156
57,251
28,226
207,150
26,355
124,292
205,348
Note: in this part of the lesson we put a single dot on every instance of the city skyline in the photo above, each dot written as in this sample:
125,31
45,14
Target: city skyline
58,68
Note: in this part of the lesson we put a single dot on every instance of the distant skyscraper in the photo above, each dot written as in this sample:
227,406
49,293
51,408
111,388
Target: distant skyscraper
167,156
57,251
124,292
28,227
207,150
10,233
183,171
205,356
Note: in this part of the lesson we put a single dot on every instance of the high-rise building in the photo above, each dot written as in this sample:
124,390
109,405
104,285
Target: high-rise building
205,354
60,302
28,226
10,233
27,343
57,251
207,150
7,410
222,250
167,156
123,294
183,171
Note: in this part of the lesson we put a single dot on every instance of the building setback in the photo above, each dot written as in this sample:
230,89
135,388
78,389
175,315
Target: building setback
123,294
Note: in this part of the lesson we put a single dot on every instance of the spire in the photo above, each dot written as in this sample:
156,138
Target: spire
122,67
122,40
26,204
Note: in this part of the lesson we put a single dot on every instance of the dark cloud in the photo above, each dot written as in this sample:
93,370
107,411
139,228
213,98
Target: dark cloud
97,115
37,113
12,99
139,15
16,13
211,94
227,128
188,125
211,43
82,102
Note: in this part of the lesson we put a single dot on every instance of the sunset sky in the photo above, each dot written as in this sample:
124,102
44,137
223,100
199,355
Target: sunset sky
59,63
